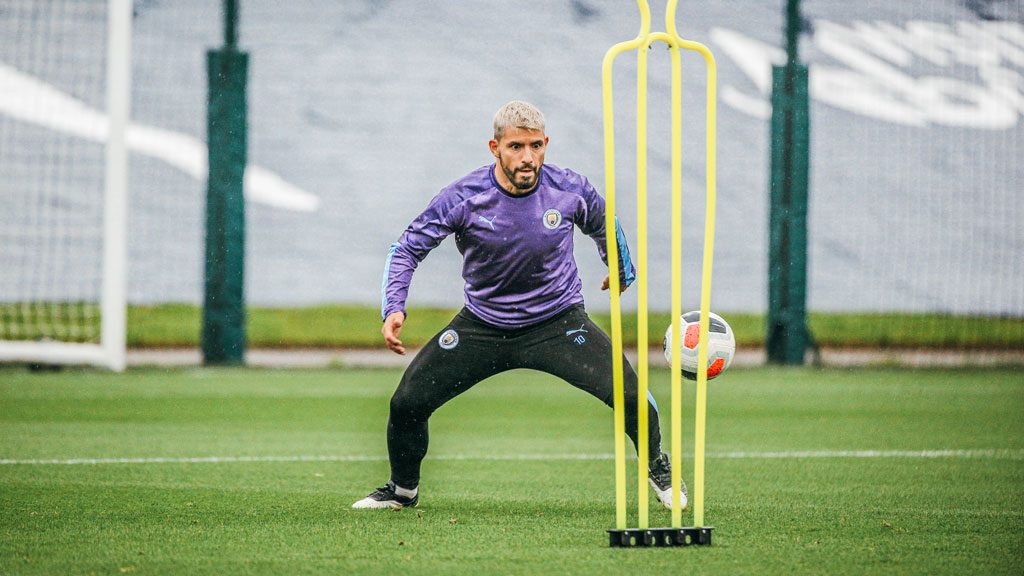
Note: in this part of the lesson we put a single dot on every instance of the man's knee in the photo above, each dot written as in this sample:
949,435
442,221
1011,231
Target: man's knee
405,407
629,388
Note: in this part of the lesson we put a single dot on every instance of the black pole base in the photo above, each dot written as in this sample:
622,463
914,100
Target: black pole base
660,537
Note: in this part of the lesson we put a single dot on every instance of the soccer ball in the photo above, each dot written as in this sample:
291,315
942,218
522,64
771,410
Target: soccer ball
721,344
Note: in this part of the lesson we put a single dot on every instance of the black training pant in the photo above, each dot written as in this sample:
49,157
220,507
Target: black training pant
468,350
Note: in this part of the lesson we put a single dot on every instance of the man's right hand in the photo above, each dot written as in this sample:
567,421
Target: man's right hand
392,328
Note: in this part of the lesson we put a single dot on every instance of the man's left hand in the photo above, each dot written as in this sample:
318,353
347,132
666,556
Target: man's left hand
607,282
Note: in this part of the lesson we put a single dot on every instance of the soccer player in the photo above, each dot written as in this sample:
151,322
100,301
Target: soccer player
513,223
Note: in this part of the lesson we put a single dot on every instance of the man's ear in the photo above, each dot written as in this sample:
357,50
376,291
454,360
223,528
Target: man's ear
494,147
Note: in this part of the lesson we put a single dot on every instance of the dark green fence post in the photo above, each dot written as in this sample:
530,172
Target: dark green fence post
223,333
787,335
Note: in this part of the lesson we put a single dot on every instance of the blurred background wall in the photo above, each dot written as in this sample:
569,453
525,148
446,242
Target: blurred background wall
359,112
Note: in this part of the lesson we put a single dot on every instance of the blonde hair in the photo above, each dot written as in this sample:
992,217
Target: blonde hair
517,114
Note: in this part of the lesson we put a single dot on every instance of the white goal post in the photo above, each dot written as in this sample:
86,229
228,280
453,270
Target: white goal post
109,350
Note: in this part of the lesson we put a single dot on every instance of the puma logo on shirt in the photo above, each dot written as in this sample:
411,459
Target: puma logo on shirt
489,222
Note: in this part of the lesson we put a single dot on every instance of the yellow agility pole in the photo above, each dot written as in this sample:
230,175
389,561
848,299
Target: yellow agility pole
611,227
643,535
641,283
676,403
705,284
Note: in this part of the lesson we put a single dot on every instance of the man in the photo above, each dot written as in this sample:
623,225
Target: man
513,223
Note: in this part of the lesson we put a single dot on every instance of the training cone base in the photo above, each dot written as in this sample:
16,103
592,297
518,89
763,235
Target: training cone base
660,537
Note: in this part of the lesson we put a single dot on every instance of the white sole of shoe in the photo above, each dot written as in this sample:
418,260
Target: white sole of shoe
371,503
665,497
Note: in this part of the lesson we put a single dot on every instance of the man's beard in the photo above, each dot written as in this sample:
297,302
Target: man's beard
520,185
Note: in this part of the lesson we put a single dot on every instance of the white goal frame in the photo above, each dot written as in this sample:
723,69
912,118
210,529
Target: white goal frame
110,352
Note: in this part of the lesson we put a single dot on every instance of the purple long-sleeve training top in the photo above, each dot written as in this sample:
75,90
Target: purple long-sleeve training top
517,251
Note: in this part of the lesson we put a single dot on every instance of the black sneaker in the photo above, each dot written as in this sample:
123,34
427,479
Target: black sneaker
385,497
660,478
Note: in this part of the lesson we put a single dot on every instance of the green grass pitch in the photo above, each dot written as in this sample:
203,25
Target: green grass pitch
199,471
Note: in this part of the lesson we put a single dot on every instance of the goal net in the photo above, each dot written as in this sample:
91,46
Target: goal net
64,100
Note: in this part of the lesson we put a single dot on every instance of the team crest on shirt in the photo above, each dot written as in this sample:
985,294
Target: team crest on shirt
449,339
552,218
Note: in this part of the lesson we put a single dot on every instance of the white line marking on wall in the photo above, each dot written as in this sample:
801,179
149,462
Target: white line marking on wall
989,454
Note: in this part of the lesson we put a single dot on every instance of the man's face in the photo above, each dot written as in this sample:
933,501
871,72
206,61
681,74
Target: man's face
520,154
